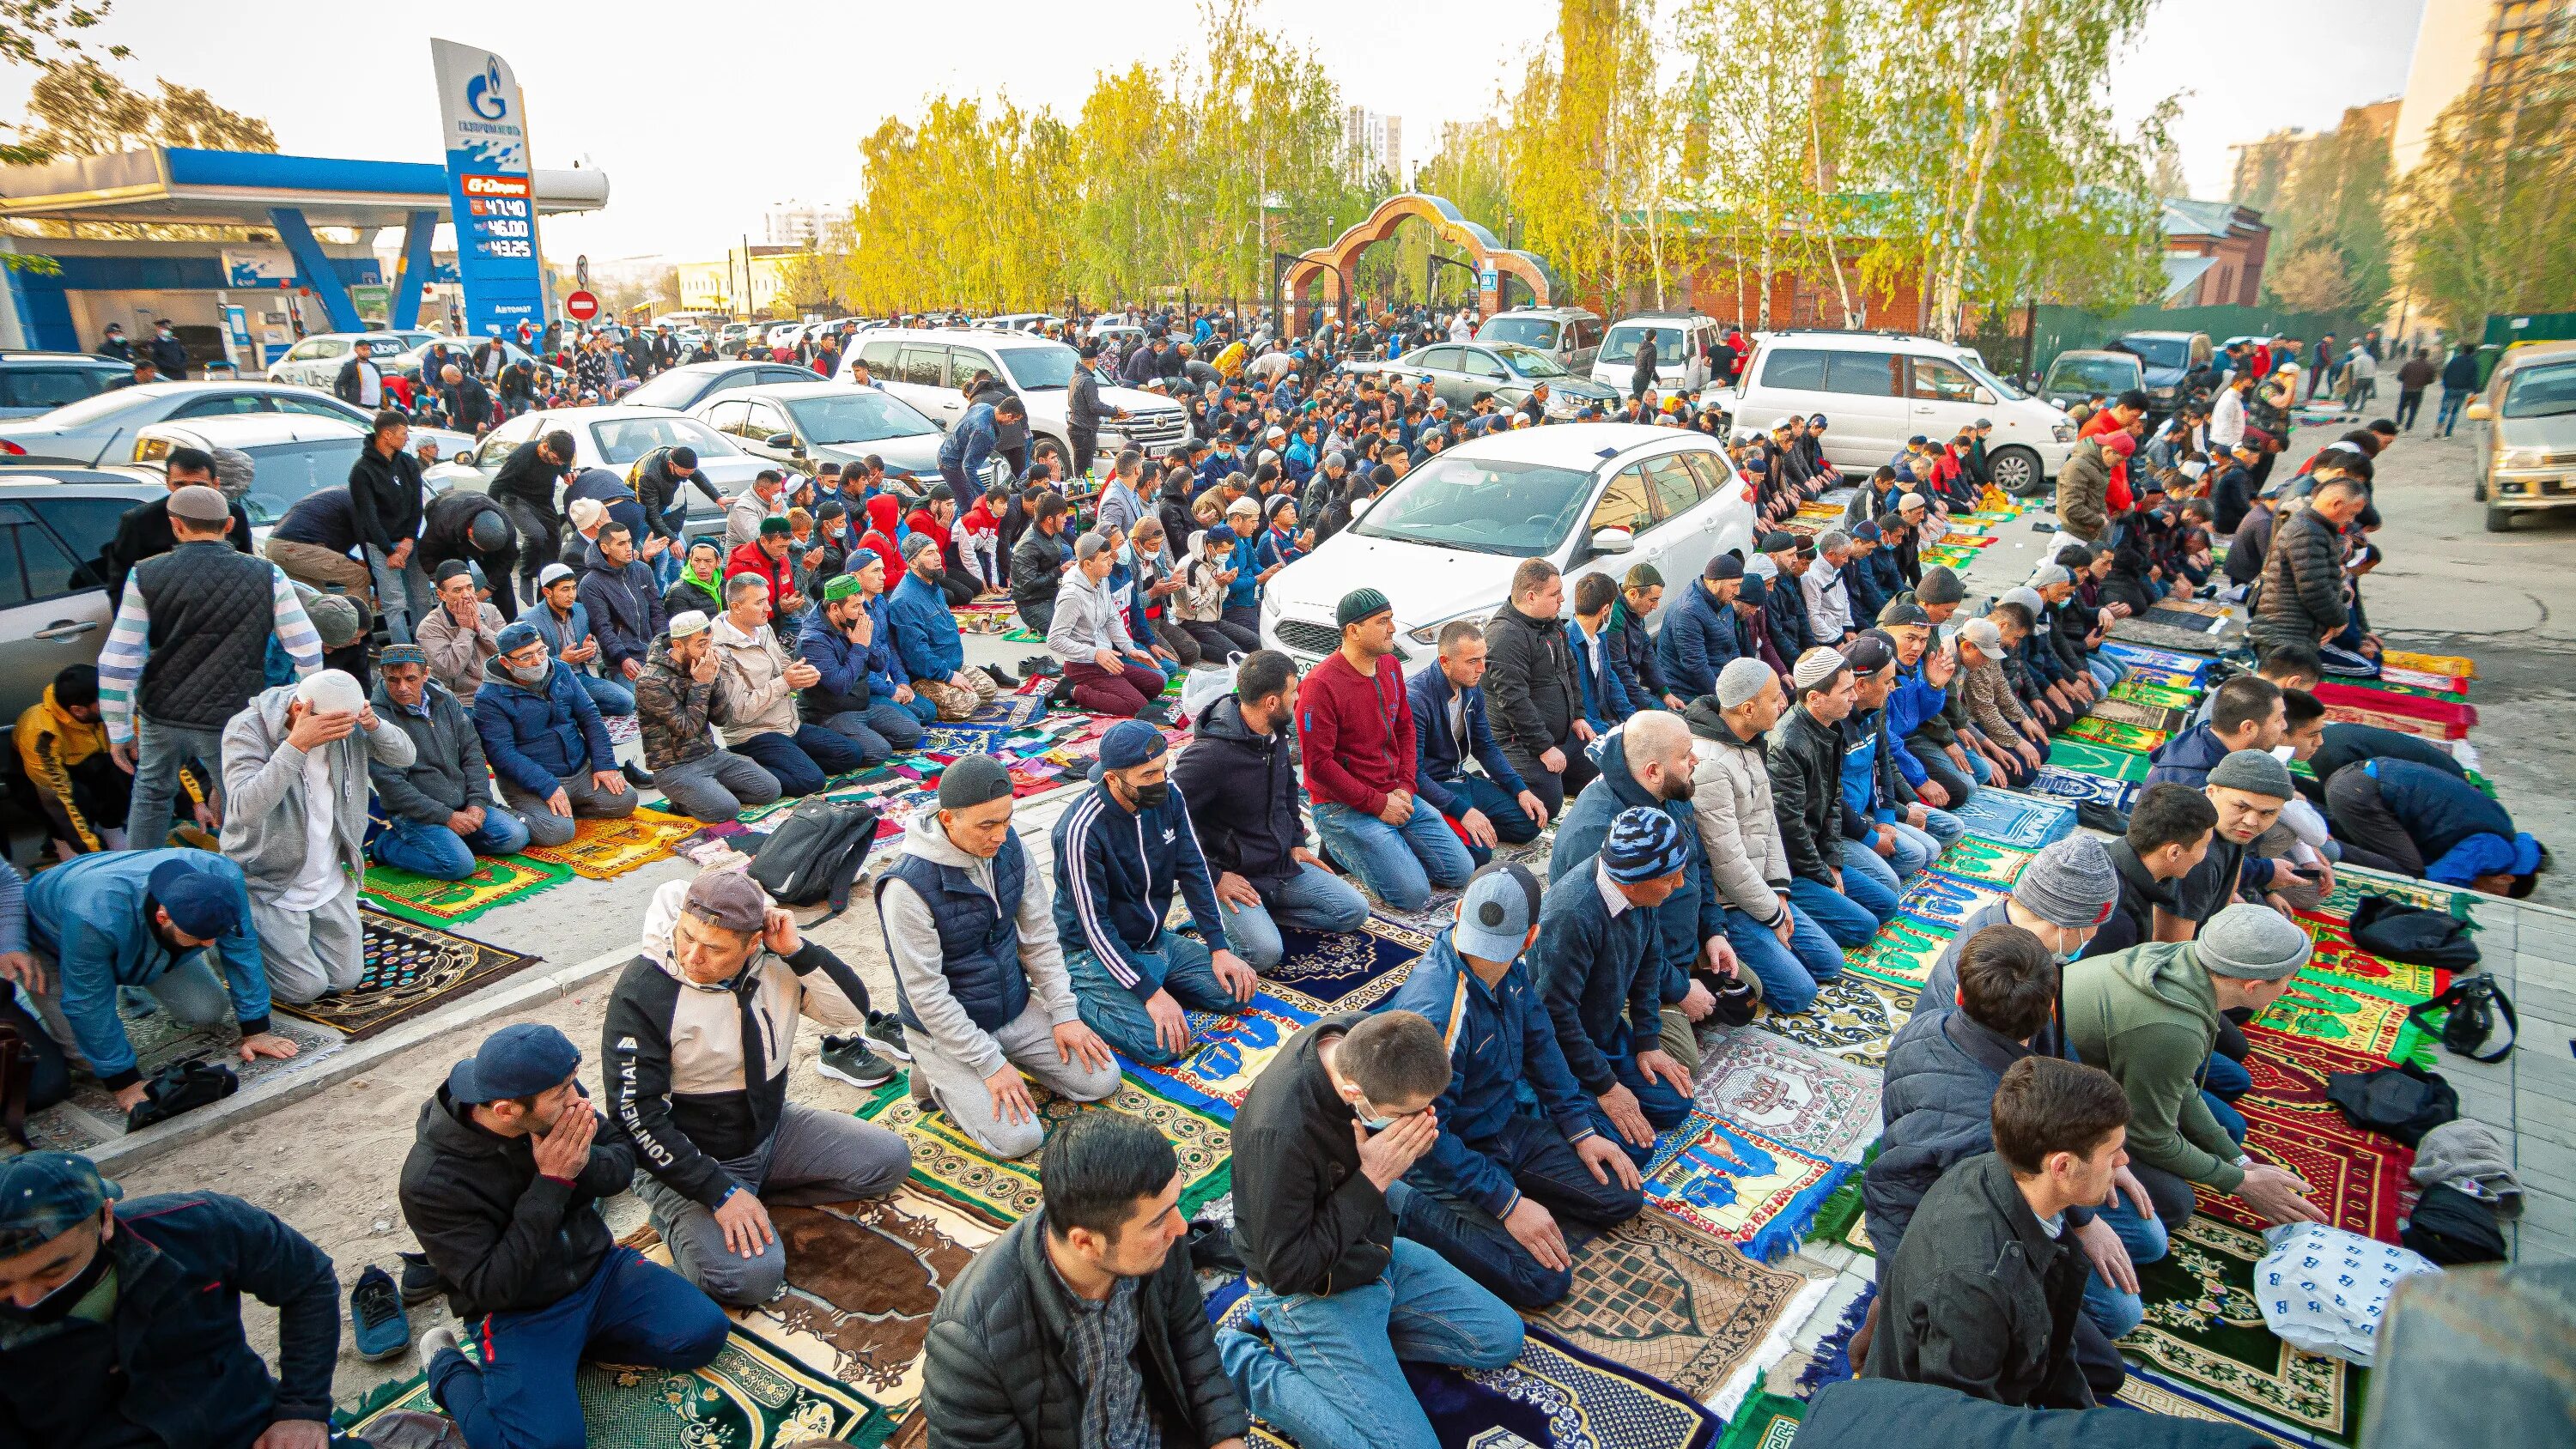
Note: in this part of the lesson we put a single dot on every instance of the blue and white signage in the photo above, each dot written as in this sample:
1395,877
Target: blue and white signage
490,194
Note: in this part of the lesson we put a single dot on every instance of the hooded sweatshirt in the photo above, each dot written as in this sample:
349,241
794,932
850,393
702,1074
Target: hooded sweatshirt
50,744
920,969
269,789
2149,1016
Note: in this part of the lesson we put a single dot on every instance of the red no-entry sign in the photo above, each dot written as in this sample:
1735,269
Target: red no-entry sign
581,306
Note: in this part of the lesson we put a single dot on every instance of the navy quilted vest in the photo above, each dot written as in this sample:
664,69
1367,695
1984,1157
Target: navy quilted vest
979,945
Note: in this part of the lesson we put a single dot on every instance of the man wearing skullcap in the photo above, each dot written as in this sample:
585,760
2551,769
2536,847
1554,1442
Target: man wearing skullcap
851,647
461,633
295,821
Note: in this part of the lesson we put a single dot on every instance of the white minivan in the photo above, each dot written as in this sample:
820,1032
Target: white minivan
1683,341
1877,389
1442,544
930,367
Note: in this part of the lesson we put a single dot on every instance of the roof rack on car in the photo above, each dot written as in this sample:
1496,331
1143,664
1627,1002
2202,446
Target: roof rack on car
1898,334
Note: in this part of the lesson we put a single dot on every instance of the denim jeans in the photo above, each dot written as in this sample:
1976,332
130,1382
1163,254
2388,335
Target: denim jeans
1914,850
1314,899
1789,974
1544,1167
159,750
1849,920
1399,864
1502,810
1119,1014
1663,1107
632,1311
2105,671
1870,879
1328,1376
2111,1310
613,696
440,853
1981,767
882,731
2453,399
804,761
402,594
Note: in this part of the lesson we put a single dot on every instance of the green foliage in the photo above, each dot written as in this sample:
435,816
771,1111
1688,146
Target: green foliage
2324,201
2488,219
78,108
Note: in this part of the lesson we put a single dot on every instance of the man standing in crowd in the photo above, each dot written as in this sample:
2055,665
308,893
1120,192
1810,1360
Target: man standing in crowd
145,531
1451,732
545,741
1599,962
979,968
1530,683
2304,600
525,489
1356,735
2459,381
439,810
386,498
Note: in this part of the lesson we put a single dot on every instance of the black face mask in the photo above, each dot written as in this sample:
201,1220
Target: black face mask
1151,797
58,1305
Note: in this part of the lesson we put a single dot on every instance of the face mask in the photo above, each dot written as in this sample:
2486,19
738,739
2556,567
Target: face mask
1152,797
527,674
56,1306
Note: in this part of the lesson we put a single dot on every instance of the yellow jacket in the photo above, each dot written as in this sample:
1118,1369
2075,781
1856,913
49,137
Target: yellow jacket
50,743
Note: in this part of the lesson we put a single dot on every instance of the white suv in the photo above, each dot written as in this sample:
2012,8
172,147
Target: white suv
930,368
1877,389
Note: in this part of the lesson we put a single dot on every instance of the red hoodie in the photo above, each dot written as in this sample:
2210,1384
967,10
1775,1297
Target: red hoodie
882,511
922,520
1356,733
750,558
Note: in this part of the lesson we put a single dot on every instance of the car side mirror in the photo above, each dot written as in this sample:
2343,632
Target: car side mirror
1360,506
779,440
1985,397
1612,540
2479,412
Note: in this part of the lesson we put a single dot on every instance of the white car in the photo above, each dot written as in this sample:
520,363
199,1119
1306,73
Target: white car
316,361
1682,343
930,368
1877,389
613,438
1442,544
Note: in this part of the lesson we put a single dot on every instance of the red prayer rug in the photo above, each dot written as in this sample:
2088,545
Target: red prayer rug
2359,1179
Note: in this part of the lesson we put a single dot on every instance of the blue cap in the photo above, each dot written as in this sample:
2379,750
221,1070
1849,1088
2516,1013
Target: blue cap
199,902
1644,844
520,1060
44,1195
1129,743
1494,916
515,636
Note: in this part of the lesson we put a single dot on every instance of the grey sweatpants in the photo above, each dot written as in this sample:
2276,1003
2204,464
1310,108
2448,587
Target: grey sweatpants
312,953
717,786
582,793
814,1157
1027,1042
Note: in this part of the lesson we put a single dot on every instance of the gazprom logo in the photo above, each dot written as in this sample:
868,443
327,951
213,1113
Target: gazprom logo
483,93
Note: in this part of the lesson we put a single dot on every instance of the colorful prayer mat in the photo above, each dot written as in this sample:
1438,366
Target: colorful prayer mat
986,618
1852,1017
1947,557
2444,684
2016,821
497,881
947,1164
1983,861
1226,1054
1738,1185
1673,1303
2163,718
2408,691
2196,666
2102,731
2074,787
2167,637
753,1396
2359,1179
1944,902
607,849
2205,1329
1901,954
410,969
1764,1421
2149,1392
2456,666
2140,691
2086,757
2325,1010
2352,882
1790,1094
2338,960
2392,720
2456,719
2175,680
1346,972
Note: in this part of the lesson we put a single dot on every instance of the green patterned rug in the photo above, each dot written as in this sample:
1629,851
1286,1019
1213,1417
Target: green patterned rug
2205,1328
2095,759
1764,1421
496,882
947,1163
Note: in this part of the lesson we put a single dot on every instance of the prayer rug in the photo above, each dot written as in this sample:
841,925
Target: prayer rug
1799,1098
2194,665
2407,691
2135,739
607,849
2205,1330
1943,901
2352,882
1983,861
2175,680
1840,1211
2086,757
497,881
1852,1018
2348,1017
753,1396
1901,954
1947,557
1227,1053
1351,971
1829,1362
2455,666
2138,691
862,1281
2166,617
410,969
986,618
2148,1392
1673,1303
2446,684
1554,1396
947,1164
90,1116
2387,719
1014,711
2169,637
2457,719
1764,1421
2360,1178
2074,787
2164,718
2015,820
1856,1237
1738,1185
2341,962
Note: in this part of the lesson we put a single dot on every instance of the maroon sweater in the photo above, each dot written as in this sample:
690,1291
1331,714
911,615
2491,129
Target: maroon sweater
1356,733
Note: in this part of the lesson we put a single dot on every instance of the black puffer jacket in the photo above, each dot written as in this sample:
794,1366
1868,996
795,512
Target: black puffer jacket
1806,760
504,1239
1530,688
2302,595
995,1371
1241,792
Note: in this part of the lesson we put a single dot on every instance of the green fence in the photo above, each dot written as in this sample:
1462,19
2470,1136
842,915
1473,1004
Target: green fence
2071,329
2505,329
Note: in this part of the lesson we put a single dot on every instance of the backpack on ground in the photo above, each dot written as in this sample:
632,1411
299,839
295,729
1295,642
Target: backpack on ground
816,853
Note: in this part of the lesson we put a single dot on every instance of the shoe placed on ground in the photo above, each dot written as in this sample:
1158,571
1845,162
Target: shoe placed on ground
885,1034
420,1282
1152,714
438,1340
412,1429
1000,676
847,1059
381,1329
637,775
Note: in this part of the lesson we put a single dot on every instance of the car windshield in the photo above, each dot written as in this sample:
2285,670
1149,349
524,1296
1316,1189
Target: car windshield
2173,352
2541,392
283,473
1986,375
623,440
1482,505
857,417
679,388
1621,345
2092,374
1040,369
1528,363
1520,331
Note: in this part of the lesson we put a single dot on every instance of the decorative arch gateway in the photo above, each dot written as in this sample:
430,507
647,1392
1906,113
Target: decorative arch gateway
1304,277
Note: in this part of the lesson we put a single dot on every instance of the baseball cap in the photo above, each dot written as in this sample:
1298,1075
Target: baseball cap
1495,914
44,1195
728,899
520,1060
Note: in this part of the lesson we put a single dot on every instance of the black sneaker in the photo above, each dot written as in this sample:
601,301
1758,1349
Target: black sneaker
847,1059
636,775
420,1282
383,1330
885,1036
999,675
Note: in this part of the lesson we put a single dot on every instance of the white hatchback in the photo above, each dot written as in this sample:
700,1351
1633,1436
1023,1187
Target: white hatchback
1443,543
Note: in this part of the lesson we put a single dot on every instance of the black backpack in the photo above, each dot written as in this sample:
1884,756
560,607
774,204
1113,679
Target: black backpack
2474,1003
2404,1101
2387,927
816,853
2452,1228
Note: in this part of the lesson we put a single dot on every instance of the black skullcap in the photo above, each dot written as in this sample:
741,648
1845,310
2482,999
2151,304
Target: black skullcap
974,780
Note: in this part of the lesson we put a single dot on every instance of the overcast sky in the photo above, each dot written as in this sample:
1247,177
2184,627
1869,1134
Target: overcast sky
705,114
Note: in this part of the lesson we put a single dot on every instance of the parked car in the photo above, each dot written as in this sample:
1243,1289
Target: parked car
2167,358
1442,544
1465,371
803,425
1876,389
56,524
614,437
2527,460
930,367
2074,376
1571,335
1682,343
691,383
33,383
100,430
316,361
1017,322
292,454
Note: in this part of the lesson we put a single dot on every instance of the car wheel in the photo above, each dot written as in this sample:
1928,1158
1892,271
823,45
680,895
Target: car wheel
2499,520
2478,493
2017,472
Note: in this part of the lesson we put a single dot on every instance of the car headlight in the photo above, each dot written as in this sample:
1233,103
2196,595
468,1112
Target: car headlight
1270,605
151,450
1429,634
2165,393
2521,458
2063,432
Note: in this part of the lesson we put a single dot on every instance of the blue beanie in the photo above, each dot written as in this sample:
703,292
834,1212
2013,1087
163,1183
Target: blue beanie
1644,844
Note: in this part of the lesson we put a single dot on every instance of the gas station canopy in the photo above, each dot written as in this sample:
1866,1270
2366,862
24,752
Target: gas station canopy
245,188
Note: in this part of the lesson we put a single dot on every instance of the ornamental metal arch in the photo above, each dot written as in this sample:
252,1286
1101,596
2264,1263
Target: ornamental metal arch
1304,277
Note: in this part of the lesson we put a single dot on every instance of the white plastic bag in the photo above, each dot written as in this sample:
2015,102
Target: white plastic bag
2324,1290
1205,684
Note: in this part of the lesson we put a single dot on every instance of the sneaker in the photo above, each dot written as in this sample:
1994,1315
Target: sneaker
847,1059
999,675
437,1341
885,1035
420,1282
637,775
383,1329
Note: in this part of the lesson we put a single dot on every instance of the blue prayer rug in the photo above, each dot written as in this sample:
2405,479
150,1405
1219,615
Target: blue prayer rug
2022,822
2074,787
1226,1054
2194,665
1349,972
1943,901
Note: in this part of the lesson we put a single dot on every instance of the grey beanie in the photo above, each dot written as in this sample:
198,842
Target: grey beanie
1940,586
974,780
2256,772
2253,943
2051,575
2470,1157
2071,884
1741,680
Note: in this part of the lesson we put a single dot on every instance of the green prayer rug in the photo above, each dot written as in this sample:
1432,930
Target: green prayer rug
1983,861
2324,1009
1901,954
2141,692
1764,1421
2205,1328
2086,757
497,881
947,1163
